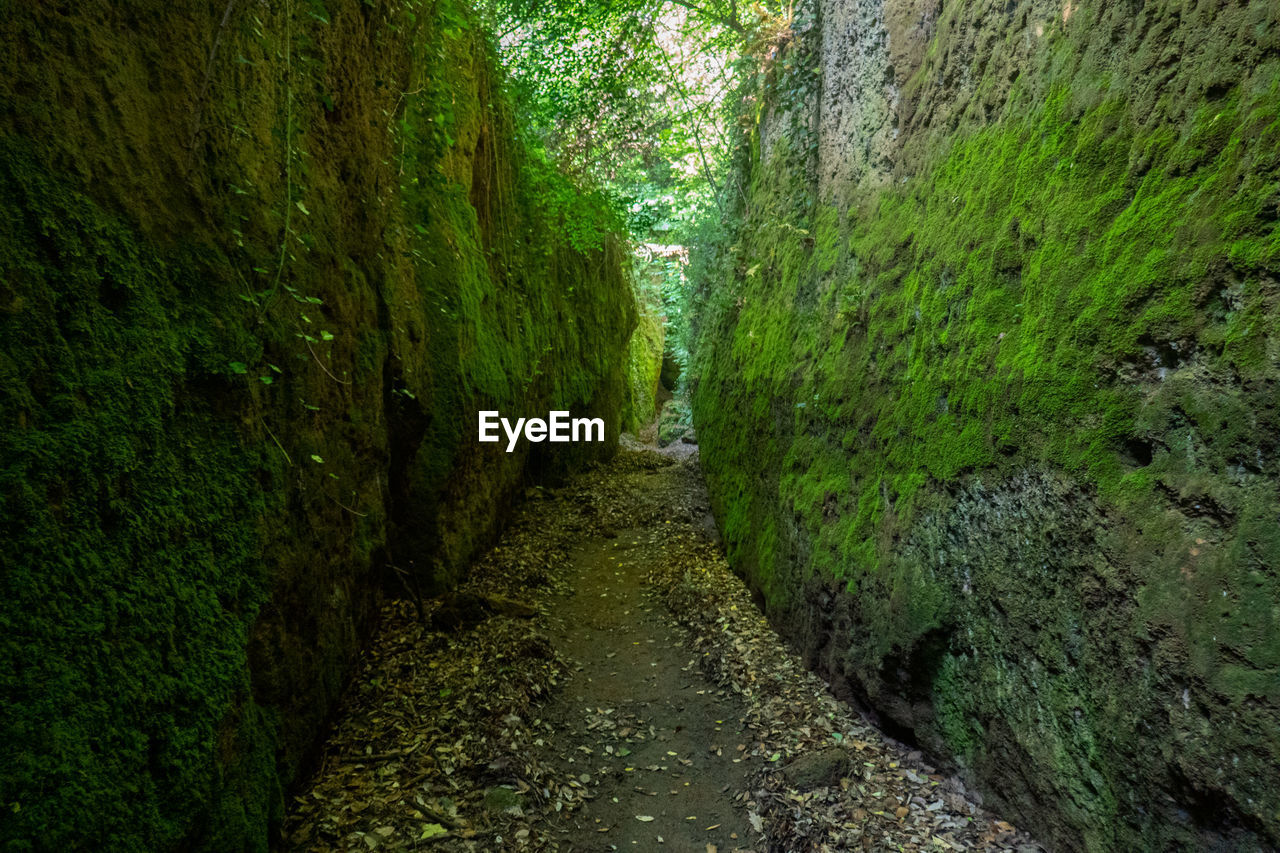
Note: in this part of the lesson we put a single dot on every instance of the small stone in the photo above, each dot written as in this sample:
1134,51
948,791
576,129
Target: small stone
503,800
818,769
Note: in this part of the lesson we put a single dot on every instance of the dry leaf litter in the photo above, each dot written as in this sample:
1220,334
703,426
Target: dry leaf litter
602,682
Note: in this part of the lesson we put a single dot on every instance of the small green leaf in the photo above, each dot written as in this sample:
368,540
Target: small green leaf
326,336
316,458
265,380
302,207
239,367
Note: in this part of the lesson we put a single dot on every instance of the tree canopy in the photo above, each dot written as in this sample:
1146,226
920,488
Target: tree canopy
637,97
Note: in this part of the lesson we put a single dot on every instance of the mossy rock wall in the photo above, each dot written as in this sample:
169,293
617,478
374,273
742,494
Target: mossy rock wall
987,389
644,368
261,266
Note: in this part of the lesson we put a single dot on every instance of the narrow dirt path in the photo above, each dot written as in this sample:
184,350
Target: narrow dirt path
603,682
662,745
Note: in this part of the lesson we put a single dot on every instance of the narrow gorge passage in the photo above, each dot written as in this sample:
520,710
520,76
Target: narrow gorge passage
635,699
950,330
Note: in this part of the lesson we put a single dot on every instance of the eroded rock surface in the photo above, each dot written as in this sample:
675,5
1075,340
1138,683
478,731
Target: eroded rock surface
986,397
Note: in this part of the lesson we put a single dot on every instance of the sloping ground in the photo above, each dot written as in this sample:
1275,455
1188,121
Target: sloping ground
259,261
603,682
986,394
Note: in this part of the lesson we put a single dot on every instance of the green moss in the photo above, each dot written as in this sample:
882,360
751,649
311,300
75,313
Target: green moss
130,514
244,331
953,702
1051,290
644,366
1001,346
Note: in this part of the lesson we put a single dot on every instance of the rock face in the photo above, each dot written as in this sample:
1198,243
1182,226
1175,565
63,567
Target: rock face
644,365
986,394
262,264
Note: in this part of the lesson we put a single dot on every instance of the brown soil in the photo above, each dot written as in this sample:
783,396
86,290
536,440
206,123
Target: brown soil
659,741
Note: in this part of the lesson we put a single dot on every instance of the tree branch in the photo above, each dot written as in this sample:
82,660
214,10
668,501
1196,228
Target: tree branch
697,135
724,20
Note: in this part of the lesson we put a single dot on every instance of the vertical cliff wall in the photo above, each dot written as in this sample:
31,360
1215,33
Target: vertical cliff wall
262,263
644,368
987,387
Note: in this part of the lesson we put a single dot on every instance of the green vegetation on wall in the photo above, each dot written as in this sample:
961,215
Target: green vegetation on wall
644,368
262,265
1018,413
132,570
